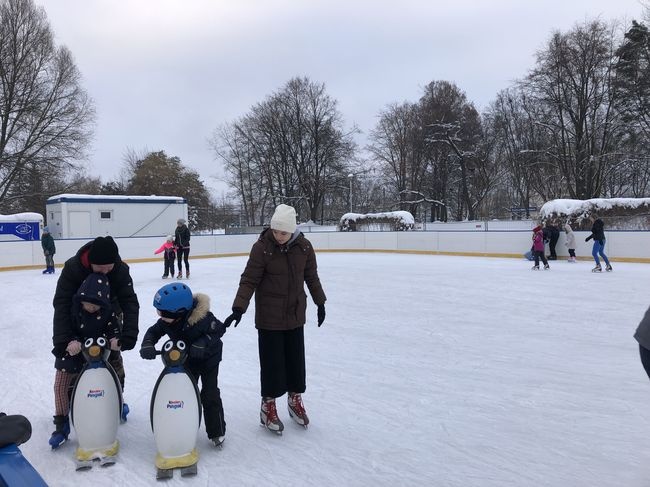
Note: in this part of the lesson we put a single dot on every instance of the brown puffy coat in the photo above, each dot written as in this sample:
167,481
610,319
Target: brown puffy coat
277,275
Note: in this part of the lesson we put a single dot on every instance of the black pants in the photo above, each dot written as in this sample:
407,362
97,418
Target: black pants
539,254
572,252
215,424
282,361
169,265
645,359
551,248
183,254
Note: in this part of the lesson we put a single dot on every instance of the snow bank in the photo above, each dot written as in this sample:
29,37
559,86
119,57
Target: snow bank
386,221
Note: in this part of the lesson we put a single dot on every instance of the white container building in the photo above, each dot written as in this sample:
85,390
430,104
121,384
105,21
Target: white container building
89,216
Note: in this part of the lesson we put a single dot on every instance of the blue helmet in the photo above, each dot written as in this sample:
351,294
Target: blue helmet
175,297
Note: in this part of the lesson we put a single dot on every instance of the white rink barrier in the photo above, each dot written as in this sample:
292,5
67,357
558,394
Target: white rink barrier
622,246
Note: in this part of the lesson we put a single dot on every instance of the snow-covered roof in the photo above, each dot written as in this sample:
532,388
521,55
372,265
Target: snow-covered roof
583,208
100,198
404,216
22,217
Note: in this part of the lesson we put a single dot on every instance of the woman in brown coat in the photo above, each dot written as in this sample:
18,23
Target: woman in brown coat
281,262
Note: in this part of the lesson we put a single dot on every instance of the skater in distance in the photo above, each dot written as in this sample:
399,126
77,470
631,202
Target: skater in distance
538,248
598,234
280,263
49,249
182,244
186,316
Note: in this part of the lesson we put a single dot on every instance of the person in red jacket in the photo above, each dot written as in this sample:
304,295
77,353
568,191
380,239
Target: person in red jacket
281,262
538,248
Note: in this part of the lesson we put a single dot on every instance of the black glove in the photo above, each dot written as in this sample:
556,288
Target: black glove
197,350
321,314
147,351
588,238
235,316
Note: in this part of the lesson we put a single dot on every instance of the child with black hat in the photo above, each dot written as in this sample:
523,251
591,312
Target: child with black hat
186,316
92,317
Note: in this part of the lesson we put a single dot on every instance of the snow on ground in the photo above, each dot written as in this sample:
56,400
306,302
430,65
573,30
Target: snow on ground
429,370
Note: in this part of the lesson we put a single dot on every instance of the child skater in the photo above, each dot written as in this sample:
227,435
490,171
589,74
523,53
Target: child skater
538,248
170,256
92,317
187,317
570,242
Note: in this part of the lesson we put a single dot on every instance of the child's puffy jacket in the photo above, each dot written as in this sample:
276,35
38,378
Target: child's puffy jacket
168,248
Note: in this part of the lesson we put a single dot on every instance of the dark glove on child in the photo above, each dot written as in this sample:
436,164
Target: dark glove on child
588,238
235,316
147,351
321,314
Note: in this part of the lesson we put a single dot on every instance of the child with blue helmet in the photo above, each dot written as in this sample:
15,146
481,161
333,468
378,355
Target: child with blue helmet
186,316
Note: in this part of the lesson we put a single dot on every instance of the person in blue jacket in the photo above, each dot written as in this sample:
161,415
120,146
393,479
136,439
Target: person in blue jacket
186,316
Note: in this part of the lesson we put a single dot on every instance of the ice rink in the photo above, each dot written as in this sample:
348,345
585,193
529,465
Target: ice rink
428,370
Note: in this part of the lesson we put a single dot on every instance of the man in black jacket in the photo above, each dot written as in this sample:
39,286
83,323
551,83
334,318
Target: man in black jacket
101,256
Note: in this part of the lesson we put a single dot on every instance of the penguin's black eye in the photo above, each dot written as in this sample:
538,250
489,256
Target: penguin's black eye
88,342
180,345
168,346
101,341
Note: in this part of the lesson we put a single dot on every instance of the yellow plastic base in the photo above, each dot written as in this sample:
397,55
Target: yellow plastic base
86,455
177,462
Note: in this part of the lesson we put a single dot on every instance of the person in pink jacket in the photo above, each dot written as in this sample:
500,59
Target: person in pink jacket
538,248
170,256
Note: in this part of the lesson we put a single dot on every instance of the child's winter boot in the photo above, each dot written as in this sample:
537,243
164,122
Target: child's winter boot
60,434
269,415
297,409
125,412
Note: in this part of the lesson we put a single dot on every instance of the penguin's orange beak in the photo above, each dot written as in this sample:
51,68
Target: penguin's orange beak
174,355
94,351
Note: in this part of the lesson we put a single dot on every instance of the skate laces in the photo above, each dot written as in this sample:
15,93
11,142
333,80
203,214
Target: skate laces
295,401
270,411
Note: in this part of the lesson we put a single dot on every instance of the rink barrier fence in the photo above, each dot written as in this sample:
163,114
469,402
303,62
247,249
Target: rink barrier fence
623,246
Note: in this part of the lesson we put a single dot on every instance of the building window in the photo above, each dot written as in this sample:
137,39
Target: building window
105,215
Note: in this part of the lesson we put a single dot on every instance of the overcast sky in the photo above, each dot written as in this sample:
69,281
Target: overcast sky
165,73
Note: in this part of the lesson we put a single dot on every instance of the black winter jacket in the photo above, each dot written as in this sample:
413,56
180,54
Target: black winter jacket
47,242
123,299
199,330
182,237
597,230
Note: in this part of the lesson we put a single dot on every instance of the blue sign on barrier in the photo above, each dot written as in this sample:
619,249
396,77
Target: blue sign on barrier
24,230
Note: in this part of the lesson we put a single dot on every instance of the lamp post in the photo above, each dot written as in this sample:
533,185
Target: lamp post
350,177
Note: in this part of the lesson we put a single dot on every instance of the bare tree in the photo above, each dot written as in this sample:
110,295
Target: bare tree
45,115
573,80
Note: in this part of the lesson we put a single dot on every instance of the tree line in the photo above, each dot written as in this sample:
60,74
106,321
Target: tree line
577,125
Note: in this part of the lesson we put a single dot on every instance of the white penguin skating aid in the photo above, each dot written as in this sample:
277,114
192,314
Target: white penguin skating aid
175,414
96,406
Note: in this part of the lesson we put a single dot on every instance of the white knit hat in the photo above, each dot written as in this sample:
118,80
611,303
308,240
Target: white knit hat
284,219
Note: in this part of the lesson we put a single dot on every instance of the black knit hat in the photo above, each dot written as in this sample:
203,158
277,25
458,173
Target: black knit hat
103,251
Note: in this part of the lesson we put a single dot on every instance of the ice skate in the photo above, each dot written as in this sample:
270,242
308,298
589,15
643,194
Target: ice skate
60,434
297,410
218,441
179,275
597,268
546,267
164,276
187,274
535,268
269,416
608,268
